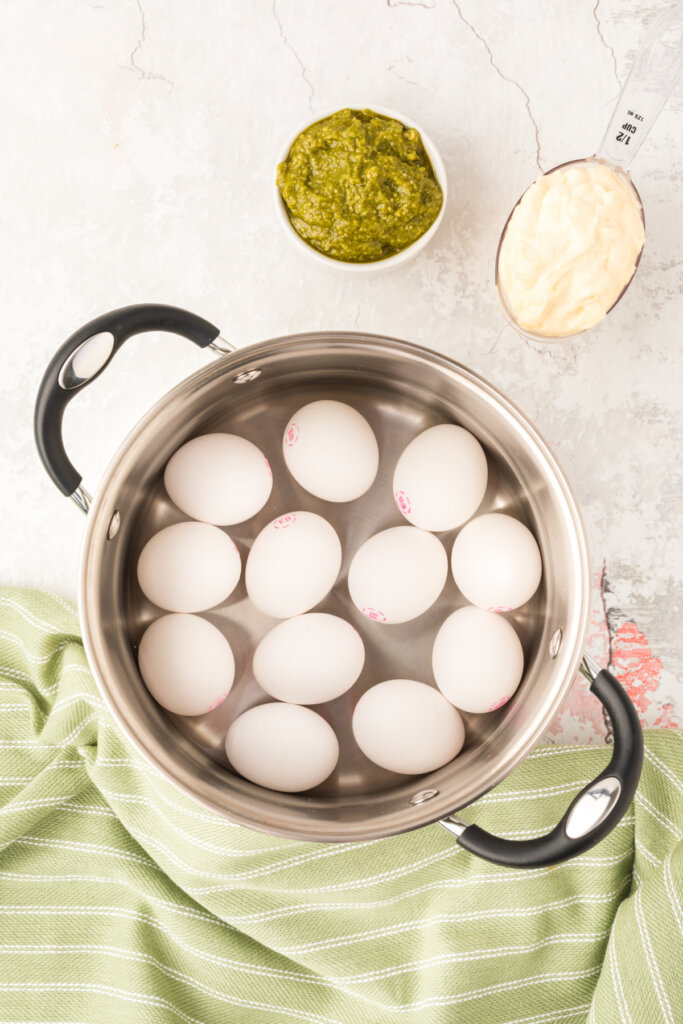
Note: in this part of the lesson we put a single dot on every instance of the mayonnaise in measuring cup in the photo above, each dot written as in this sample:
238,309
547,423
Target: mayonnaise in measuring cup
570,248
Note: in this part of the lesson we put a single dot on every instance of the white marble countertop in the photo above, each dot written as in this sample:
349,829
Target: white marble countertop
140,146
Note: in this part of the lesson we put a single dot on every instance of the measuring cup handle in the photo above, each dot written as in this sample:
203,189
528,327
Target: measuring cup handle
81,359
592,814
648,86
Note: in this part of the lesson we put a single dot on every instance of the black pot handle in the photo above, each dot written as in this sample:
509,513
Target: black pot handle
597,808
83,358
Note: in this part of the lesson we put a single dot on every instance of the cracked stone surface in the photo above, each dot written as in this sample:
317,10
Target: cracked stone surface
139,166
139,44
506,78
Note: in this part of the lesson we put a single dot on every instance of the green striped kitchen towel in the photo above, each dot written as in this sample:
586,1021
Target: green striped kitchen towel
124,901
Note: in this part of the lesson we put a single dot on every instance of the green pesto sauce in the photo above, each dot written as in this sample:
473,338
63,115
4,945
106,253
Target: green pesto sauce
359,186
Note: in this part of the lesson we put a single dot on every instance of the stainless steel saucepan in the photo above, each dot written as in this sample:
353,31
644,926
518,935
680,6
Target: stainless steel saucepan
401,389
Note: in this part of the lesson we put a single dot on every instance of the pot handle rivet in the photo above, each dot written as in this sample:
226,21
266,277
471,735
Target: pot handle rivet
247,376
423,796
114,525
555,643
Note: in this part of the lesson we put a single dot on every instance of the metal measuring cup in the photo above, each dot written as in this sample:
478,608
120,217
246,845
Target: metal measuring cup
653,75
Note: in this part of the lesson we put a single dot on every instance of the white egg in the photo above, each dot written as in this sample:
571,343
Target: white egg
293,564
309,659
477,660
440,479
330,449
407,727
397,574
496,562
283,747
219,478
186,663
189,567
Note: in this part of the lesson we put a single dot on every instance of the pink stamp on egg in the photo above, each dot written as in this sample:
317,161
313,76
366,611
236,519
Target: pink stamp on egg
500,608
292,434
499,704
270,472
373,614
217,702
403,502
284,521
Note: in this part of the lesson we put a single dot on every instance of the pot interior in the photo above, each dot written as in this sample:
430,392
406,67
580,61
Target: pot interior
401,390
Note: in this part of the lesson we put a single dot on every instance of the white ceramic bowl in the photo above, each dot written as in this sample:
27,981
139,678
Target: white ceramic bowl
391,261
